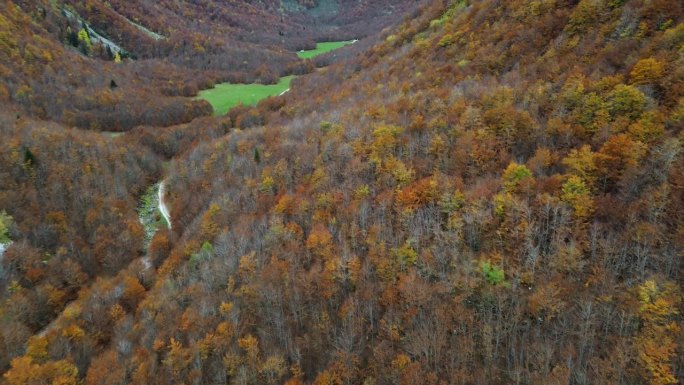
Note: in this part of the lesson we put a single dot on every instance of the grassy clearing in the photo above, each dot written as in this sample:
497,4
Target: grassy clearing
322,48
224,96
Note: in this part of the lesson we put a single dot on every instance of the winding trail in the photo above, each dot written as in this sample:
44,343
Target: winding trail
148,32
162,206
94,36
3,247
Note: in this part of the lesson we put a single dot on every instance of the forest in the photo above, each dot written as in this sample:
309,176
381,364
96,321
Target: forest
477,192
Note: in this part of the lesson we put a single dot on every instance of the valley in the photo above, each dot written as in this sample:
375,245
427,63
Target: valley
224,96
473,192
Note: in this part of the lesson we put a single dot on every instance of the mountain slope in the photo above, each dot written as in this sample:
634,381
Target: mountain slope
446,206
491,194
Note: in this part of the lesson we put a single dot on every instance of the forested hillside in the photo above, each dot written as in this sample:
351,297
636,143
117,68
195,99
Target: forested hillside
491,193
116,65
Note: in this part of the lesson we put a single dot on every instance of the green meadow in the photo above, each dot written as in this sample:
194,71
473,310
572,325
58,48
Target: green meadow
322,48
225,96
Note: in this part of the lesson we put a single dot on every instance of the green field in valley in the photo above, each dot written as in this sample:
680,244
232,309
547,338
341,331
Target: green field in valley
322,48
225,96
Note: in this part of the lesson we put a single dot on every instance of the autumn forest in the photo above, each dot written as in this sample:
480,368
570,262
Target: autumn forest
475,192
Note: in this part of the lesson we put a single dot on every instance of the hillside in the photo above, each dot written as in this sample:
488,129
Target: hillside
115,65
490,192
